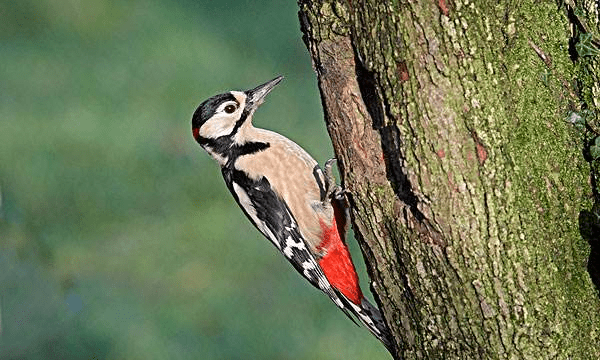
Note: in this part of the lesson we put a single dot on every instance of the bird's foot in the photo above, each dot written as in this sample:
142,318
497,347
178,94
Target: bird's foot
333,190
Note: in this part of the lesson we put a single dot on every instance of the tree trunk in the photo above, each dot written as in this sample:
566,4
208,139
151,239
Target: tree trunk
465,180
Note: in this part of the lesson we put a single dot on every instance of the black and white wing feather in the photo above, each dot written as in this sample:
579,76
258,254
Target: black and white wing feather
269,213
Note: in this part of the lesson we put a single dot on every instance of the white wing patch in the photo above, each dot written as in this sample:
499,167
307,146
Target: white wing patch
246,203
290,244
309,265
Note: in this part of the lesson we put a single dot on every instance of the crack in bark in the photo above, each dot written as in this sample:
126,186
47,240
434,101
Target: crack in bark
390,139
391,145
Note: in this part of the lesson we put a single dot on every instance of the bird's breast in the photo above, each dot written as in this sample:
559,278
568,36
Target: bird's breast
293,176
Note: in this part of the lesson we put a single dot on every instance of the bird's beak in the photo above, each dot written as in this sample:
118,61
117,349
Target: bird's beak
257,95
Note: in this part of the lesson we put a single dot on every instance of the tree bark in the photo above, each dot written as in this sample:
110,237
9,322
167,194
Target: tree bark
465,180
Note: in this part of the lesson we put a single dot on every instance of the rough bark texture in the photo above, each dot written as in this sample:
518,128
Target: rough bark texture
466,182
585,17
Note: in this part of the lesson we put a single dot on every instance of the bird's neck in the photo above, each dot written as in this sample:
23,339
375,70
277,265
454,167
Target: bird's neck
226,150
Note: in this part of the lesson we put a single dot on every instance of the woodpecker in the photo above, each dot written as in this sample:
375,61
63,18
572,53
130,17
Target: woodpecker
287,197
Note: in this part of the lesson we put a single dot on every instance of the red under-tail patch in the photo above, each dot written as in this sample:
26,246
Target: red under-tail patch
337,263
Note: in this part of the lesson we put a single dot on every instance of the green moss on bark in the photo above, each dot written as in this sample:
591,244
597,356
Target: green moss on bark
471,232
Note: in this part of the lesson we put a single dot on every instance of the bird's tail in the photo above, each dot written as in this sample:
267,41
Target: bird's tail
371,318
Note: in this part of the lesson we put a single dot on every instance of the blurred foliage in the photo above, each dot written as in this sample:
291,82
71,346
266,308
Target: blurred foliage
118,238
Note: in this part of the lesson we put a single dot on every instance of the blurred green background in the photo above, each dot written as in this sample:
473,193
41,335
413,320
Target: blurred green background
118,238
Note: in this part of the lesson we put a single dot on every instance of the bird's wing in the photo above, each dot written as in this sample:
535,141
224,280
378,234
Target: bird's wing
273,218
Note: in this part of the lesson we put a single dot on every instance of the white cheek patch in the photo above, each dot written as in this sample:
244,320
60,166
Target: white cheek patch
218,125
222,123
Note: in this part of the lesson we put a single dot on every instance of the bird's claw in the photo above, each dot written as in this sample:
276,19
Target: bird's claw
333,190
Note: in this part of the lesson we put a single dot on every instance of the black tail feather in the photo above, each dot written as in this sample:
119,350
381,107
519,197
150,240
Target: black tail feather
371,318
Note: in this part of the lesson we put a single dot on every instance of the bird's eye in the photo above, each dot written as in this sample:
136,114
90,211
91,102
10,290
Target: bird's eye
229,109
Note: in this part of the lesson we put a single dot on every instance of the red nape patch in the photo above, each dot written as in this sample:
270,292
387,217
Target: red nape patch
337,264
196,132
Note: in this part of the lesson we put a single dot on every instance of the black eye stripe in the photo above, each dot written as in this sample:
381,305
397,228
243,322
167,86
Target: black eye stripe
209,107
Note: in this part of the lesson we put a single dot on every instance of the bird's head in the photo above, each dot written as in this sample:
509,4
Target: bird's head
223,115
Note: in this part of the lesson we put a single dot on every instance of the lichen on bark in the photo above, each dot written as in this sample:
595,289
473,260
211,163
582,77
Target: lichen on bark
466,183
